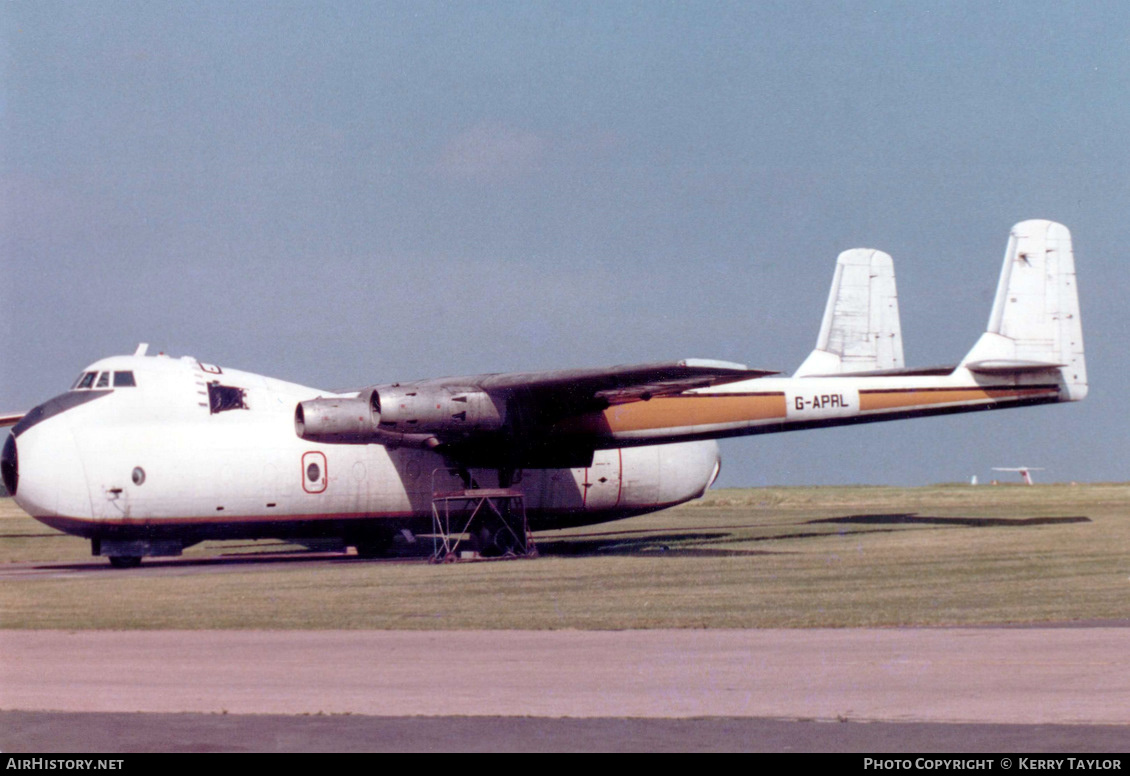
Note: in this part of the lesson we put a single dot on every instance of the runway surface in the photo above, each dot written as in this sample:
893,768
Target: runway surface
24,731
993,675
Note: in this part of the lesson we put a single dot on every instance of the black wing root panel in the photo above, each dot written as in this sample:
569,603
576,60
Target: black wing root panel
513,452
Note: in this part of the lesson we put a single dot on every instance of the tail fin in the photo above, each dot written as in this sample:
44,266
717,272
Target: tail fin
860,331
1035,325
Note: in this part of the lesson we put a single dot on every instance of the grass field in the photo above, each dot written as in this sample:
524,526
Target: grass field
772,557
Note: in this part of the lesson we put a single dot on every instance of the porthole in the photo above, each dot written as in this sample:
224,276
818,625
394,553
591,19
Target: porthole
138,475
315,472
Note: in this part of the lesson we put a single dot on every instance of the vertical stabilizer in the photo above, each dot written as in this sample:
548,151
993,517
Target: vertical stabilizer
860,331
1035,326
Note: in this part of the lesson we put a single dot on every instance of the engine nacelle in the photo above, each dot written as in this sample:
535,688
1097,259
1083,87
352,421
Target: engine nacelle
335,420
398,415
410,409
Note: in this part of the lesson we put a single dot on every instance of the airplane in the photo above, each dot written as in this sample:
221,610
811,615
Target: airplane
1024,471
147,455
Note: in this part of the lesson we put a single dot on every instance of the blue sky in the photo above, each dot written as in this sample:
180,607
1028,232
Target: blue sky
342,194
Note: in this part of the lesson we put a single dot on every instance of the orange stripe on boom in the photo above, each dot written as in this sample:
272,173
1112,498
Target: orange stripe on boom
891,400
678,412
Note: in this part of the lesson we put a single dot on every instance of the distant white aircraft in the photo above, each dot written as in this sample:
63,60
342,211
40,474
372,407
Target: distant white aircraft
147,455
1025,471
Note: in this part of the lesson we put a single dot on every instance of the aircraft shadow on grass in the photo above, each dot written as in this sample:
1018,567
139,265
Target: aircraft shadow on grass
643,543
52,535
912,518
652,543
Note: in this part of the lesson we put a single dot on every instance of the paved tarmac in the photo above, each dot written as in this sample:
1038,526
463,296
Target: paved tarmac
1001,675
727,685
26,731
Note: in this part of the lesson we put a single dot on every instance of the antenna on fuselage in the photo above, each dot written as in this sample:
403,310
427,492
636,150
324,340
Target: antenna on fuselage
142,349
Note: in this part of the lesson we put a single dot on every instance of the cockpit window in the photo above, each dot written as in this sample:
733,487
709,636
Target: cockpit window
101,380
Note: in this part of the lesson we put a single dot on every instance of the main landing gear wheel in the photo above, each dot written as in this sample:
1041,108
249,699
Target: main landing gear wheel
376,543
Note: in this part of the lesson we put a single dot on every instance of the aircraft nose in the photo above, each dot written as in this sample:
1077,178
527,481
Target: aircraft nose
10,466
42,470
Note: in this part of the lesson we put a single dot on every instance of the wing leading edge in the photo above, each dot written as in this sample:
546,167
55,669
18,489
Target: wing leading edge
612,385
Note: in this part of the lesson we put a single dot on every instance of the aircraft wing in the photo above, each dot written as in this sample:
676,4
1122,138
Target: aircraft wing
541,398
573,389
494,416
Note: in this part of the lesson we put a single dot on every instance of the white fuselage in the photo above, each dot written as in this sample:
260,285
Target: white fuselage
163,459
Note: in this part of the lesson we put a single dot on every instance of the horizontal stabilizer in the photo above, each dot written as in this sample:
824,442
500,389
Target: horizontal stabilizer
1035,325
1003,366
860,331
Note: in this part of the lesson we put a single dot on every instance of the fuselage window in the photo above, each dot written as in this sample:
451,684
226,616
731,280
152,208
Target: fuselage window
123,380
222,398
313,472
103,380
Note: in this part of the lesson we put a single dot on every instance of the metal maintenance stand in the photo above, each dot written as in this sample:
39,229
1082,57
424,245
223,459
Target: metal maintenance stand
480,524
